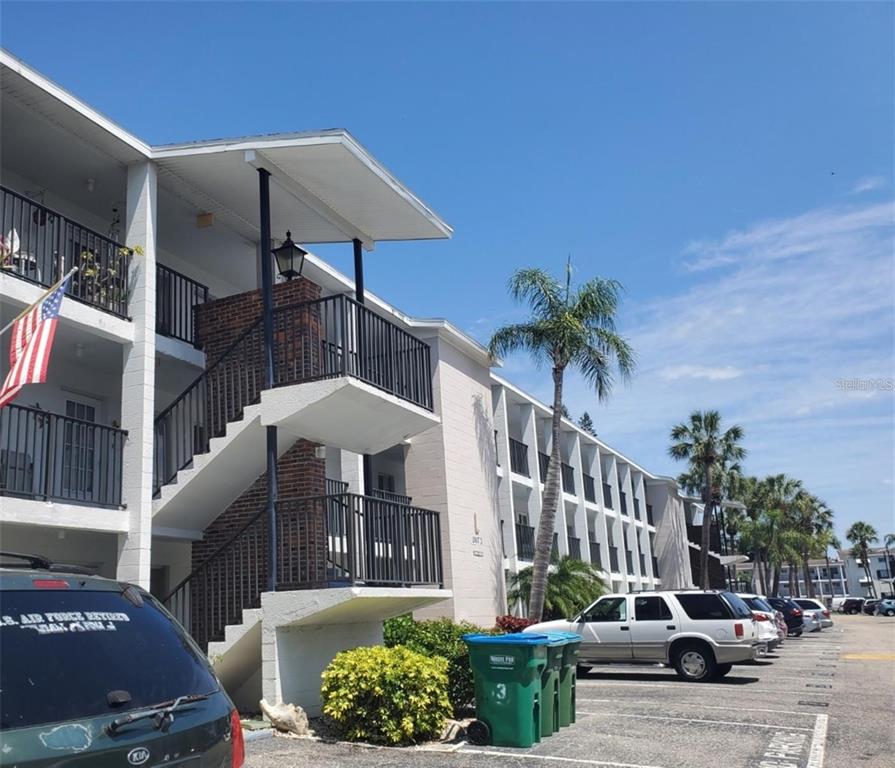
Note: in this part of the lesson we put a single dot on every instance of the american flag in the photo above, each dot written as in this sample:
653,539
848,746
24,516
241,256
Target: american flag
32,341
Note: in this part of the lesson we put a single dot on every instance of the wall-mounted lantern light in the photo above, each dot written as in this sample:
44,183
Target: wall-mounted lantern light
290,258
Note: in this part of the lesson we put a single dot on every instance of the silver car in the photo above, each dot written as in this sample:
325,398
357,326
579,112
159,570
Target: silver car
808,604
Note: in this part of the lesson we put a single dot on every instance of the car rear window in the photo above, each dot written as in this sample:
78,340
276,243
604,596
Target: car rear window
699,605
651,609
62,652
809,604
737,606
757,604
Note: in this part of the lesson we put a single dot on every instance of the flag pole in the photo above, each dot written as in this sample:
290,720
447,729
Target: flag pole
44,295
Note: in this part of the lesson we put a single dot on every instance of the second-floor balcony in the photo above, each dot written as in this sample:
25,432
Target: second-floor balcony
607,495
519,458
41,245
595,557
613,559
575,547
176,299
52,457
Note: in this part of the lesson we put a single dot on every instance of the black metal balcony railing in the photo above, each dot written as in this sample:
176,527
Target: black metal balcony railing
49,456
595,557
176,299
314,340
321,541
629,561
335,486
496,450
623,499
568,479
607,496
613,559
642,565
590,490
519,458
636,508
44,245
397,498
543,466
655,567
649,514
525,542
575,547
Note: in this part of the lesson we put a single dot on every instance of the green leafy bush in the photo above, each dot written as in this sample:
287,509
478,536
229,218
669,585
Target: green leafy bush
439,637
386,695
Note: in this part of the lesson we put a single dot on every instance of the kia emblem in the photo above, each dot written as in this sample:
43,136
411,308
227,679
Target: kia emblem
138,756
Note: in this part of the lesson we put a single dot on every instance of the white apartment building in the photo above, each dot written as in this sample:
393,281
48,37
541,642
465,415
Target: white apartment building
407,473
881,563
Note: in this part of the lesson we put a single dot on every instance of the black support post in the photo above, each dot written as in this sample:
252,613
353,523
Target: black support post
359,297
267,303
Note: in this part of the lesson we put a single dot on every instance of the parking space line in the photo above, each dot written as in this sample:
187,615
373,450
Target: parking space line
703,686
557,758
818,743
661,703
701,721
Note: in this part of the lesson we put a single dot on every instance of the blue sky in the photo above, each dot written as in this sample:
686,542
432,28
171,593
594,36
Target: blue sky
731,164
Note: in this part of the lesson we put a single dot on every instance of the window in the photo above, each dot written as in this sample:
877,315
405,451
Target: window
704,606
78,456
757,604
651,609
608,609
105,643
385,482
737,606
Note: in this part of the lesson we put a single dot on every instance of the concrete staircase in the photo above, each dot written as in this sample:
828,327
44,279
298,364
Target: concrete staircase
237,660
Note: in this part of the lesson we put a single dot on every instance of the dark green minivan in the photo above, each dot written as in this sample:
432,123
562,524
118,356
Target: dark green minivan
94,672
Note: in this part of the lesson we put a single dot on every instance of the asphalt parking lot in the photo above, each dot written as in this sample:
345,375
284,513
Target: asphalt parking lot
820,700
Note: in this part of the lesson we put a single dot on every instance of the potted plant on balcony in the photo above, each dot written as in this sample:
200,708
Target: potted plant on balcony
108,283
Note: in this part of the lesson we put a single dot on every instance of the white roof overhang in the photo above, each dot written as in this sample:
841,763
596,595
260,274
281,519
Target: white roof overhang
325,188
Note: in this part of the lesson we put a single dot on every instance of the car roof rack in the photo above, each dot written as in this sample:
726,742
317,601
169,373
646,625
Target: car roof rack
664,589
40,563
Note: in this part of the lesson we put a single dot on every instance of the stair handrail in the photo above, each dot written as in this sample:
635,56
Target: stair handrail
242,334
214,555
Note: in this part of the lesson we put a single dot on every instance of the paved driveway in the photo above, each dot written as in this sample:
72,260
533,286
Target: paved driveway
820,700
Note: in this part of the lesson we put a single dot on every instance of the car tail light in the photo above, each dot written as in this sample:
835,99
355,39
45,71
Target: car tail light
49,583
760,617
238,755
796,611
827,612
738,629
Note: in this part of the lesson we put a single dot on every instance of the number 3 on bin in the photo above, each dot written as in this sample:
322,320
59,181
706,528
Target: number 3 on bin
500,692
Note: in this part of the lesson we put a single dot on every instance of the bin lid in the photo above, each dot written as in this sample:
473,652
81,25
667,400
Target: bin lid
514,638
566,637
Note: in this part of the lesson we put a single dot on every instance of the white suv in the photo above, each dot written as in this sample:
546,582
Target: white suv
702,634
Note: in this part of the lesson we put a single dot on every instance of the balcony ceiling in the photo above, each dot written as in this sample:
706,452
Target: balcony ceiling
325,188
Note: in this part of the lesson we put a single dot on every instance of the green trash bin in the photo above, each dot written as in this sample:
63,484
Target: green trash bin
567,676
550,684
507,671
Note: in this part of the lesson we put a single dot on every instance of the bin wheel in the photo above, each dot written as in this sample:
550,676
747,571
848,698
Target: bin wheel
478,733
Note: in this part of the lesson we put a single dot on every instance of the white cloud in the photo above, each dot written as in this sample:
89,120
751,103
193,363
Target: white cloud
674,372
868,184
771,316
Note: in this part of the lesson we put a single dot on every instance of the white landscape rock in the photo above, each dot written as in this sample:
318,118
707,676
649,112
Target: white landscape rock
286,717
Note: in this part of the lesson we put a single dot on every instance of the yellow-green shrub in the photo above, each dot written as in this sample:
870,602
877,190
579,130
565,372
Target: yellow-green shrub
386,695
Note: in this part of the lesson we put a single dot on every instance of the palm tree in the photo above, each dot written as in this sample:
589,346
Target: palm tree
862,535
711,453
810,517
748,491
779,493
829,539
587,424
572,585
566,328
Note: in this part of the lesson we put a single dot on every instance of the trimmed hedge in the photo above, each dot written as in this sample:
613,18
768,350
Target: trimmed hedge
386,695
439,637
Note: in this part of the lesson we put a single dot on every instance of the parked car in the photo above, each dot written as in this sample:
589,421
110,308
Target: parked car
837,602
811,621
96,672
869,606
852,605
792,615
886,607
766,617
702,634
810,604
